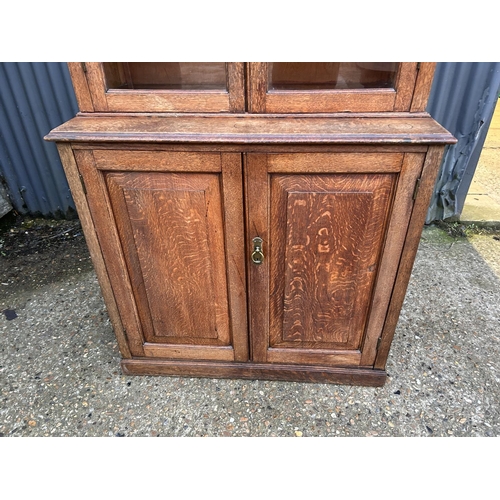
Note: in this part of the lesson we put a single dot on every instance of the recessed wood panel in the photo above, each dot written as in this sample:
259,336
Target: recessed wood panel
326,243
172,232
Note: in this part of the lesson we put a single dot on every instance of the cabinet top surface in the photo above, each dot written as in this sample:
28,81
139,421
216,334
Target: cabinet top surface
247,129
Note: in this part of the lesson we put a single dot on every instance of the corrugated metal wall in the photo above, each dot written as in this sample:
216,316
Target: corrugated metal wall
463,99
34,98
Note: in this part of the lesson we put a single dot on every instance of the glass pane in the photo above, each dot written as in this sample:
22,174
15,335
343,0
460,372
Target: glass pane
331,75
165,75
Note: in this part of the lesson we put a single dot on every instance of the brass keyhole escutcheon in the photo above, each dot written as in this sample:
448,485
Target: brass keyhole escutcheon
257,255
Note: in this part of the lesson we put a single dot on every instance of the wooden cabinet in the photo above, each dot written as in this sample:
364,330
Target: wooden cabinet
252,245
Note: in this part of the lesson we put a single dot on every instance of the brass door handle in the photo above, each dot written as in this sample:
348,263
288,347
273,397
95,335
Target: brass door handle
257,255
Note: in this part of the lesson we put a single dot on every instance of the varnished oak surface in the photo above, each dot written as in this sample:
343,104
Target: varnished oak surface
253,129
294,373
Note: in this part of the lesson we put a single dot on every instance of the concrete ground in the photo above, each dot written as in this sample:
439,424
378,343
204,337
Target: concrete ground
60,373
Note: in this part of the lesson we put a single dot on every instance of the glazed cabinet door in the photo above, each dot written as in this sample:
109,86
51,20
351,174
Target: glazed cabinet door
170,226
332,227
333,87
159,87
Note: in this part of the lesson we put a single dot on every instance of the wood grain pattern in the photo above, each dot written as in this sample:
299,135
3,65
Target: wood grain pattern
257,87
396,233
177,250
319,374
155,101
80,85
256,196
253,148
423,87
184,351
232,189
419,212
332,101
338,163
151,161
97,86
405,86
323,357
236,87
326,239
73,177
109,241
253,129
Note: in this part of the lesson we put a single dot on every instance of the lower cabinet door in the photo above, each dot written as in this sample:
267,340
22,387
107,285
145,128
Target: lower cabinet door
332,228
170,226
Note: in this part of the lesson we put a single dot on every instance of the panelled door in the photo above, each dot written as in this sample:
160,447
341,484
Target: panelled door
324,249
170,225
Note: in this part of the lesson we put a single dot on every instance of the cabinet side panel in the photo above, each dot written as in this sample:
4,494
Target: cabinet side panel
85,217
109,242
396,233
429,173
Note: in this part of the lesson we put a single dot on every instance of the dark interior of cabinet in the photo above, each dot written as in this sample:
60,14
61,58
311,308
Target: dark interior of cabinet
331,75
166,75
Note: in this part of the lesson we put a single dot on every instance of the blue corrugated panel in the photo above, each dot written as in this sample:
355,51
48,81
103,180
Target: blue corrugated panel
463,99
34,98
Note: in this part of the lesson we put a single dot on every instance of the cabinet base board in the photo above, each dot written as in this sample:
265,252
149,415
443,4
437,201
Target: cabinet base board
291,373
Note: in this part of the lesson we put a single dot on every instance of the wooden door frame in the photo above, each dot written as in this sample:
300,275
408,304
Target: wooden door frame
93,96
92,165
257,174
411,86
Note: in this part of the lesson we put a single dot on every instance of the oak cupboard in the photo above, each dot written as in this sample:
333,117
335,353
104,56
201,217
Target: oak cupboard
241,222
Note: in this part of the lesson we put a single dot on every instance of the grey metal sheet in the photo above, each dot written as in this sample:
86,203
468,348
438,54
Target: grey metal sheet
463,99
34,98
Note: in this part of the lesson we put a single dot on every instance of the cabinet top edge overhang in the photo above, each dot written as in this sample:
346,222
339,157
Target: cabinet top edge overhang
248,129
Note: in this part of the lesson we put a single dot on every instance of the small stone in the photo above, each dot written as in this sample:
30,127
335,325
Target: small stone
32,423
391,424
10,314
463,420
298,434
308,401
243,419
